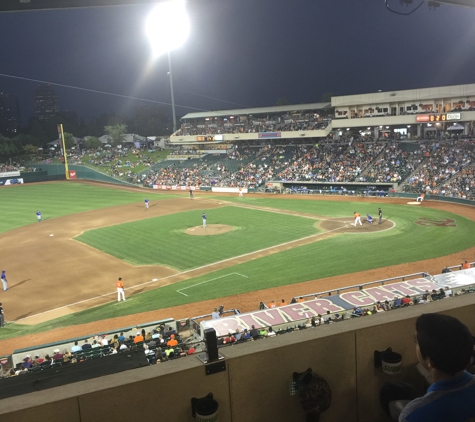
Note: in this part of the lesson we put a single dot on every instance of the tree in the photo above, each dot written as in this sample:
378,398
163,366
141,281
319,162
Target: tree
68,140
30,149
116,133
93,143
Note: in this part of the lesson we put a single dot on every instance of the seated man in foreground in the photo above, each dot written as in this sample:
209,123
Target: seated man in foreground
444,346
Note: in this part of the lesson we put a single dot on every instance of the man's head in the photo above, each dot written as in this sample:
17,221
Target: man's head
443,343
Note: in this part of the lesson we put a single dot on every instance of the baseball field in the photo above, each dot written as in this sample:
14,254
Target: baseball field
62,271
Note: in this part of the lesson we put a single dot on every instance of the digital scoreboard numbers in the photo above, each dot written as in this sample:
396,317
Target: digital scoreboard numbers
434,118
209,138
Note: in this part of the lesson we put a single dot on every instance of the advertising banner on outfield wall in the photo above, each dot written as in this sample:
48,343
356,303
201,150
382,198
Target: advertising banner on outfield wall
366,298
231,190
9,174
9,182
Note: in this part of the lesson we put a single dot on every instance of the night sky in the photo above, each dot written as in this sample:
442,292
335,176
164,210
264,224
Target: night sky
241,53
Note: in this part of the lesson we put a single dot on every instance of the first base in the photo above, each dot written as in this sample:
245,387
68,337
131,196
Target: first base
51,234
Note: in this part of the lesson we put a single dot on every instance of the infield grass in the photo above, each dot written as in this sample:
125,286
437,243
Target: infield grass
163,240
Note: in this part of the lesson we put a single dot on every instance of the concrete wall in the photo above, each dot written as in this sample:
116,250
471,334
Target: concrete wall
255,385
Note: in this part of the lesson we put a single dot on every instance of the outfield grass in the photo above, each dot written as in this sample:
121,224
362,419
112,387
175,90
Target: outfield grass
342,254
162,240
19,203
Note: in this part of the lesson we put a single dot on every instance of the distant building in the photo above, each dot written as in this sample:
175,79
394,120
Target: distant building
10,118
46,102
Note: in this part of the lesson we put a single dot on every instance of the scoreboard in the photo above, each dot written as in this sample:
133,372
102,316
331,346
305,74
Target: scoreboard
209,138
434,118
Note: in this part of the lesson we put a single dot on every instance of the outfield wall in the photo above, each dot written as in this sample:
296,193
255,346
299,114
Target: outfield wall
255,383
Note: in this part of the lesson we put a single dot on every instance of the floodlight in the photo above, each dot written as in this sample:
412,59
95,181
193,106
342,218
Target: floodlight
167,26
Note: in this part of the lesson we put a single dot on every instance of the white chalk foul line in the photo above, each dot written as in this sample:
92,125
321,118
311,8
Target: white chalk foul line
207,281
182,273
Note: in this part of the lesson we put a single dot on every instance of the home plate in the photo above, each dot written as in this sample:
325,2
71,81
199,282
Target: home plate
51,234
154,279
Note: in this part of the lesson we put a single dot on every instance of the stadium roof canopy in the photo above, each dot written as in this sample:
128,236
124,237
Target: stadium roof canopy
258,110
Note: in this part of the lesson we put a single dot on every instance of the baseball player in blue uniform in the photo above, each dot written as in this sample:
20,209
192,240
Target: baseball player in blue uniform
369,219
4,281
146,203
38,215
204,220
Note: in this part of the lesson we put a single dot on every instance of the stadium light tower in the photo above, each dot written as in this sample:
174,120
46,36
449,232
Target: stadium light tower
167,28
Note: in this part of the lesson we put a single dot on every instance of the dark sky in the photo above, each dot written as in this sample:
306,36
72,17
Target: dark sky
247,53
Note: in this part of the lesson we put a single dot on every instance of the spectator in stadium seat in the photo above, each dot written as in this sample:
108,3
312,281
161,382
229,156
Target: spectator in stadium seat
356,312
172,342
448,291
270,332
386,305
254,333
313,322
76,348
95,344
215,314
406,300
238,335
397,302
104,341
121,337
86,345
247,334
27,362
229,338
170,352
138,337
444,347
57,355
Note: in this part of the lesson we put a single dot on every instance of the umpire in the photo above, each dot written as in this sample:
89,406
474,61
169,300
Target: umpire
380,215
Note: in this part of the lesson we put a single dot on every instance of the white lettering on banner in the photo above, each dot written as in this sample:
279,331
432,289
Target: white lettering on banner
343,302
453,116
9,174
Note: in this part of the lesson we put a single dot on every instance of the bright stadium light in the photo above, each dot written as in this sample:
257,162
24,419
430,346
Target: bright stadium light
167,28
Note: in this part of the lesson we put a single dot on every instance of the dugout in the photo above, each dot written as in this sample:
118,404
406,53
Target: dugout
331,188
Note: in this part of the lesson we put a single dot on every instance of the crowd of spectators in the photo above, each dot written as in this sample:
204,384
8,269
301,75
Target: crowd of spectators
250,124
159,345
438,168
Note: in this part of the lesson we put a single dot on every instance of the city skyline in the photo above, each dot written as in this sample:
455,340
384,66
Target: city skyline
238,55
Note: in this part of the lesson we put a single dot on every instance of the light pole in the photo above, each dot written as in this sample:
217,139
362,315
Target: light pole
171,89
167,28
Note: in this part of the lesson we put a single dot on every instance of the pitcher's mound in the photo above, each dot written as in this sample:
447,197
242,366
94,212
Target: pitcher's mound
211,229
